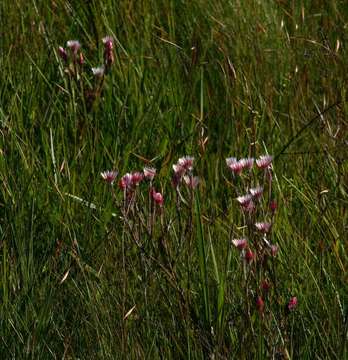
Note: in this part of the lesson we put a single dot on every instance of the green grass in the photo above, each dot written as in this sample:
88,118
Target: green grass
211,79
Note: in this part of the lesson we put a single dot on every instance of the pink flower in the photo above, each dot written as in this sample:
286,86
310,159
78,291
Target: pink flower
109,176
191,181
273,206
249,208
245,200
249,256
256,192
73,45
240,244
62,53
98,71
274,250
263,227
157,197
137,177
126,181
247,163
149,173
108,54
186,163
235,166
260,304
108,42
292,304
264,161
178,170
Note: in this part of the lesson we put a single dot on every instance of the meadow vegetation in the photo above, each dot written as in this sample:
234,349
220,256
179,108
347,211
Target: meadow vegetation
213,251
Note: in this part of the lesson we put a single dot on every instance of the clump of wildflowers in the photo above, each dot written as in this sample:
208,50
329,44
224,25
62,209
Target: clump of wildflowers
73,60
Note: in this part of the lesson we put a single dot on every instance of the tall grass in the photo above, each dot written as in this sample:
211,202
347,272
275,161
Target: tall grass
82,278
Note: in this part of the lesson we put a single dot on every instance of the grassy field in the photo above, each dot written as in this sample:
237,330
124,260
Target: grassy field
94,270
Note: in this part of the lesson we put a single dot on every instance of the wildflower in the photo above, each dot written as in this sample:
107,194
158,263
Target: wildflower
292,304
73,45
274,250
109,176
256,192
157,197
183,165
247,163
98,71
63,54
249,256
235,166
81,59
264,161
126,181
240,244
176,179
108,54
191,181
178,170
186,163
108,42
273,206
137,177
263,227
249,208
260,304
245,200
149,173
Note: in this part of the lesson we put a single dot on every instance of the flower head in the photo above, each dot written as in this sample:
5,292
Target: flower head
240,244
108,42
247,163
157,197
249,256
186,162
274,250
263,227
62,53
137,177
256,192
235,166
191,181
264,161
149,173
126,181
109,176
108,54
98,71
292,304
260,304
273,206
245,200
73,45
81,59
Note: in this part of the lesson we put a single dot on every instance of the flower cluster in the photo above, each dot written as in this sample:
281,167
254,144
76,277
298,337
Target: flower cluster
183,173
257,248
73,60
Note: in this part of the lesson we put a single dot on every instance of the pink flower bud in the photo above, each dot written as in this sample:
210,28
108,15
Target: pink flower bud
292,304
157,197
249,256
240,244
273,206
63,54
260,304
